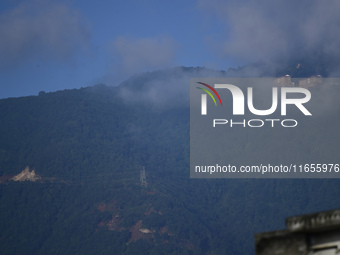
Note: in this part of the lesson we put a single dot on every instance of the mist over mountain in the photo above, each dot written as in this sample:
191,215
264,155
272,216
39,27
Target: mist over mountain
169,87
280,33
89,145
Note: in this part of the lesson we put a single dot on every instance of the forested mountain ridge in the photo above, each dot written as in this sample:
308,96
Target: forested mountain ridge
94,141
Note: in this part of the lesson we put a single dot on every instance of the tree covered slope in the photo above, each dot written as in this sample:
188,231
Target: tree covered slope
89,145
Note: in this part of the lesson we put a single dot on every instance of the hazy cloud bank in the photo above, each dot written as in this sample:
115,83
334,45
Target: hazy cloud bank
279,31
163,89
41,30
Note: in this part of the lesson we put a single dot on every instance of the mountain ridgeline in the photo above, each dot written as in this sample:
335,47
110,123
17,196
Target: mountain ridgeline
88,147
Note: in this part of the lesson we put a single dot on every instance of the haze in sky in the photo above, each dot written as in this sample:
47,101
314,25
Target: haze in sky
50,45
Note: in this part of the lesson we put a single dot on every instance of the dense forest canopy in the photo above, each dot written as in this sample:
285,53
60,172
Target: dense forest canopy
89,145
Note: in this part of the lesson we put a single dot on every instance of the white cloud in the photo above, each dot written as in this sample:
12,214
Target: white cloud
277,30
41,29
163,89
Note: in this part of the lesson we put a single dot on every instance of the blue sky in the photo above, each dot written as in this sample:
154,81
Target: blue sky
87,46
49,45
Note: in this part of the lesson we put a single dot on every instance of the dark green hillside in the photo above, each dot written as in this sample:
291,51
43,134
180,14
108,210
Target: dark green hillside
89,146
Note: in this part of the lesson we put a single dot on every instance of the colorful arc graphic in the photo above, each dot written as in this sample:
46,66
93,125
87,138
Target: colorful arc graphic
207,91
213,90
